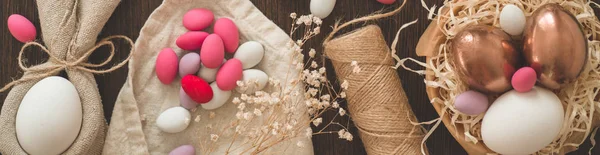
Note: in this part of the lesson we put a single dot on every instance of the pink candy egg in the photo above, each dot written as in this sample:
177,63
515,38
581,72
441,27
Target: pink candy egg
192,40
196,88
189,64
212,51
197,19
524,79
386,1
229,74
21,28
227,30
166,65
186,101
471,103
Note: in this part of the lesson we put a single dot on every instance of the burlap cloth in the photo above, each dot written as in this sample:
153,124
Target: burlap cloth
69,30
133,125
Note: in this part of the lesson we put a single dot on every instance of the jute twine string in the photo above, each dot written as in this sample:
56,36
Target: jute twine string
58,65
376,101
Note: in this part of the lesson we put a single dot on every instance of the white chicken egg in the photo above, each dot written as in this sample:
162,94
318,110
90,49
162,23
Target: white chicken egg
49,117
522,123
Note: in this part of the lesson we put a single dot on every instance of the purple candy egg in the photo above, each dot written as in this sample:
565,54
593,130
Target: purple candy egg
189,64
186,101
183,150
471,103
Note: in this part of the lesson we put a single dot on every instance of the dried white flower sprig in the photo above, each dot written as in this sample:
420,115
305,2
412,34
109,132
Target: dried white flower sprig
267,118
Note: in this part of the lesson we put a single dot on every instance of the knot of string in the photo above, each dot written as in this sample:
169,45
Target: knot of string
50,69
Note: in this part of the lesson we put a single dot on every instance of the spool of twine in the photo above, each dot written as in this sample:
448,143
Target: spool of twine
376,101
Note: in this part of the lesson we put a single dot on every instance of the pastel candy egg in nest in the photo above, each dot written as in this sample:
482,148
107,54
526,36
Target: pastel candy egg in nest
471,103
524,79
512,20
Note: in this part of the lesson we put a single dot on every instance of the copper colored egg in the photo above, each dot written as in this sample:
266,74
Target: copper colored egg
554,45
485,58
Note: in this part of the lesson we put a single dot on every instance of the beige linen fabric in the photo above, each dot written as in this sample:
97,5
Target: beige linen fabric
141,100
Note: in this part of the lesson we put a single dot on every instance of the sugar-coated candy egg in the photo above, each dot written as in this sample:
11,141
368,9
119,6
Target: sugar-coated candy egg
49,117
256,80
21,28
386,1
512,20
196,88
198,19
250,54
471,102
220,97
166,65
208,74
524,79
183,150
189,64
321,8
522,123
192,40
185,101
228,31
212,51
173,120
229,74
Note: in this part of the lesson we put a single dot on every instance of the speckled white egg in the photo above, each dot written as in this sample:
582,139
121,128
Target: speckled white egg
522,123
49,117
173,120
209,74
219,97
253,75
512,20
250,54
321,8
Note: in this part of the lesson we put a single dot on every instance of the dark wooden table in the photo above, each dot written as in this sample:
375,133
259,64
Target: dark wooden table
130,16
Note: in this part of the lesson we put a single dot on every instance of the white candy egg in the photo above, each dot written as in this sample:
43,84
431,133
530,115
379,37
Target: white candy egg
173,120
512,20
253,75
49,117
219,97
522,123
321,8
250,54
208,74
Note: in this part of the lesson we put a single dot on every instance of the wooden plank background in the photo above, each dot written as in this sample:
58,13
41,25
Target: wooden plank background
130,16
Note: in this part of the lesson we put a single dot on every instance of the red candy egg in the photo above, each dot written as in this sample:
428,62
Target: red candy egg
229,74
191,40
197,89
524,79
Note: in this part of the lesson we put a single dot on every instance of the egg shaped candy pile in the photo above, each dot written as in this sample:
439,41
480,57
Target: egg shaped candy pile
207,77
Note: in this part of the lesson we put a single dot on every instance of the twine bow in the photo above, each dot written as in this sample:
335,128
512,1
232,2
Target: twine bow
42,71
